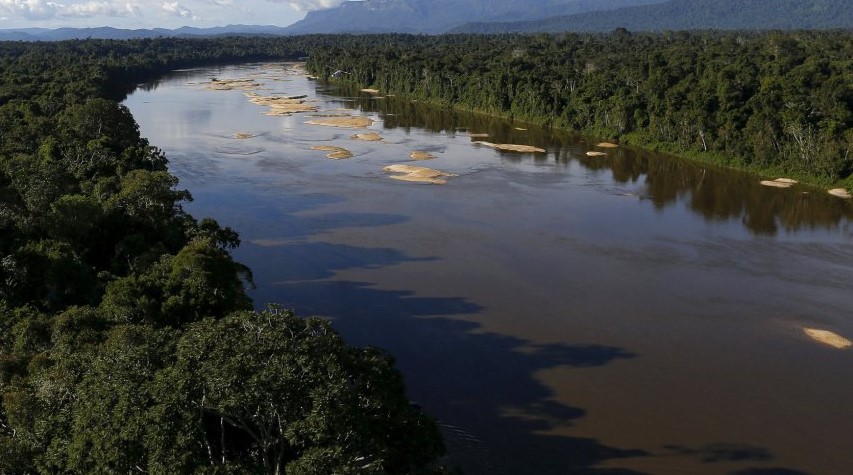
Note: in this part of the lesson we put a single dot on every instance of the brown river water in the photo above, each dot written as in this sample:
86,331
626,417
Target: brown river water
558,313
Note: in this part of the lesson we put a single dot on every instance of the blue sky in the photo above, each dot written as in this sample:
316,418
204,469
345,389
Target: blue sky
154,13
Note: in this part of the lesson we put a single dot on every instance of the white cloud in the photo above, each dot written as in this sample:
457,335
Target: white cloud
94,8
30,9
154,13
44,10
177,9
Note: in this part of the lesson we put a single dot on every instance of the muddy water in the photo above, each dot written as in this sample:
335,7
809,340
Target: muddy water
558,313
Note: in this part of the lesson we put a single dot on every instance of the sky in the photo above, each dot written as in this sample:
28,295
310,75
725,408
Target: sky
154,13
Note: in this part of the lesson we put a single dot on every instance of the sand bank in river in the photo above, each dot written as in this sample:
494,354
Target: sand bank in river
828,338
594,154
371,91
779,183
231,84
368,137
478,136
243,135
282,105
349,122
606,145
417,174
508,147
336,153
840,192
419,155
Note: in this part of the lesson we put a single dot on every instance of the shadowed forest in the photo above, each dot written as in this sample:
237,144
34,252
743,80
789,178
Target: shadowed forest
120,310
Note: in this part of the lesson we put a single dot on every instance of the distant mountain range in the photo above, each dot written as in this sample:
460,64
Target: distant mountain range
510,16
690,15
108,33
439,16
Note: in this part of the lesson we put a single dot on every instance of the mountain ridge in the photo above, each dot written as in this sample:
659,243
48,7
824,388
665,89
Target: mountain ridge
439,16
110,33
689,15
530,16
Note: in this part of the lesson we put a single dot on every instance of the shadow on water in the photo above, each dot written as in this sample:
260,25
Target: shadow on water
482,386
497,416
769,471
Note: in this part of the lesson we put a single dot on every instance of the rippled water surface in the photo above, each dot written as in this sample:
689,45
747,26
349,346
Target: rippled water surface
628,313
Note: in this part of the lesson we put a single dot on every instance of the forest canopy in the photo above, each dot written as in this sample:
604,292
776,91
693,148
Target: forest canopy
778,102
122,316
127,340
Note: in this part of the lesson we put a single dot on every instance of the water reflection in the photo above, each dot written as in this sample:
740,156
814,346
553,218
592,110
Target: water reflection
560,313
714,193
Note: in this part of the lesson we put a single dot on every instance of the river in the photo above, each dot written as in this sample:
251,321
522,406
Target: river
558,313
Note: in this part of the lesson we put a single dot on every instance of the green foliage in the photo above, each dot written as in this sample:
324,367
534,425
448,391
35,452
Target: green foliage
273,393
113,298
781,101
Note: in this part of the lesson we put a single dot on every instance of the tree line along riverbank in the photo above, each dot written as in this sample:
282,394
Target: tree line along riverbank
770,102
121,311
127,340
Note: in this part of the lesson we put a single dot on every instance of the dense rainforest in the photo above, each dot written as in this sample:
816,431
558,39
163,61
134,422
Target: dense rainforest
774,102
127,341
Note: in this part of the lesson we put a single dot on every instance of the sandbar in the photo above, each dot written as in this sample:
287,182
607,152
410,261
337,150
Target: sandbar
230,84
786,180
828,338
606,145
420,155
368,137
243,135
336,153
417,174
282,105
776,184
840,192
349,122
370,91
594,154
479,136
508,147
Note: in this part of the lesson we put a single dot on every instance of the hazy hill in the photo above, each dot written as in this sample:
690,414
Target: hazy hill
44,34
438,16
691,15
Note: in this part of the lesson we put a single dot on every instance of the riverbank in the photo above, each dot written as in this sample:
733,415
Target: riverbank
634,140
537,302
769,103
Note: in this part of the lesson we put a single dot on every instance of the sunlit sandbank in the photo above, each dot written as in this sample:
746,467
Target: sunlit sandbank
779,183
419,155
418,174
243,84
282,105
367,137
840,192
510,147
335,153
348,122
828,338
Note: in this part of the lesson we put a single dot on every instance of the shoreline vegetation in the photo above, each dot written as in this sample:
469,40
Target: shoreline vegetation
774,104
120,310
